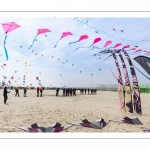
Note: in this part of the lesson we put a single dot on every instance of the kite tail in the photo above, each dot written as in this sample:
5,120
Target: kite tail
142,73
73,42
33,41
57,42
96,48
5,47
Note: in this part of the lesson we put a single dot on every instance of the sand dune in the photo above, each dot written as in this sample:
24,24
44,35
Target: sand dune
46,110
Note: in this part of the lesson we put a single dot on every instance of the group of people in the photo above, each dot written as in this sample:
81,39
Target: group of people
17,92
93,91
67,92
39,91
24,91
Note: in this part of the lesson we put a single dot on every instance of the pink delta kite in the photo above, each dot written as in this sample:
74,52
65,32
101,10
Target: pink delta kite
82,37
106,44
117,45
40,31
8,27
94,42
64,34
127,46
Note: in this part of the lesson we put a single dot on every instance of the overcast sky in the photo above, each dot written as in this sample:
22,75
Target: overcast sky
53,72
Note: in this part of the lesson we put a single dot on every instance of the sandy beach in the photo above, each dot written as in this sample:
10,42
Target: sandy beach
49,109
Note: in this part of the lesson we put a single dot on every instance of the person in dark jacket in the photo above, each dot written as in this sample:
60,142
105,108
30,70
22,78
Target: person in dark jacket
5,94
85,91
57,91
64,92
25,91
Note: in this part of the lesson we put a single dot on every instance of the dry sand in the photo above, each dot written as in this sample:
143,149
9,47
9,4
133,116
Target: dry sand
49,109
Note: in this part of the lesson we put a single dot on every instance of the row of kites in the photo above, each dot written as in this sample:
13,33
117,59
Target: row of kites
11,26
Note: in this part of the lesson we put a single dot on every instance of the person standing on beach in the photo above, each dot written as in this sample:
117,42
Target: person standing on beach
17,91
64,92
85,91
41,91
5,94
57,91
88,91
91,91
75,91
37,91
25,91
71,92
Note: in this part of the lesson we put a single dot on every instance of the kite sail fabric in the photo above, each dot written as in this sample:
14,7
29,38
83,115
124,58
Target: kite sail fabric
94,42
133,120
40,31
120,84
144,62
117,45
136,96
8,27
128,98
57,127
64,34
83,37
99,124
142,73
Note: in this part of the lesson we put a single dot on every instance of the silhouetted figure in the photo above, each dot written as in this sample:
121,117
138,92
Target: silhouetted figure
41,91
71,92
37,91
68,92
17,91
64,92
5,94
25,91
88,90
57,91
85,91
82,91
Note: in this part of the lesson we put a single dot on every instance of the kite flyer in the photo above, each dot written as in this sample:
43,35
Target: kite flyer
5,94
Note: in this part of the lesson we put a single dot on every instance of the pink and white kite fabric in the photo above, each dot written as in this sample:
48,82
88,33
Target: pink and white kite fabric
35,128
8,27
64,34
82,37
40,31
94,42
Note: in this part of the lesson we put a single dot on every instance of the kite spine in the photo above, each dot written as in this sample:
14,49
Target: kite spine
136,96
120,84
128,98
